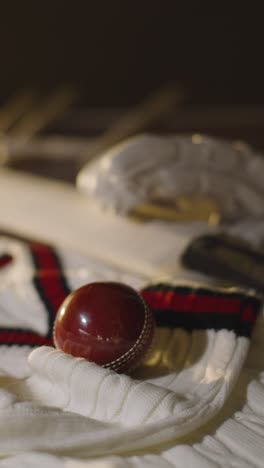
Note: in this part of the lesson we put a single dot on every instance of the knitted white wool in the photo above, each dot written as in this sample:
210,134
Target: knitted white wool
238,442
111,413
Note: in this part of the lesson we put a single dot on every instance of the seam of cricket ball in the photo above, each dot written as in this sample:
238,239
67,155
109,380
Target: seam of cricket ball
132,352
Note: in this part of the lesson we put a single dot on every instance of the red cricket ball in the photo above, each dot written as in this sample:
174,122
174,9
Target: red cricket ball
107,323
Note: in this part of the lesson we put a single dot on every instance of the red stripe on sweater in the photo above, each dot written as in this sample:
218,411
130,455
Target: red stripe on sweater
178,302
49,276
20,337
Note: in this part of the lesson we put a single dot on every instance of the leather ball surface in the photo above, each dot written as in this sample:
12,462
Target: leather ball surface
107,323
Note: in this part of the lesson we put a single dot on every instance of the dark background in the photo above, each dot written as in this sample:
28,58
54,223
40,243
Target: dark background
116,52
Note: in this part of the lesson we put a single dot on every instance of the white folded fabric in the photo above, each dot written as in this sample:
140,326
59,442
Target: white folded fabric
151,167
234,439
73,408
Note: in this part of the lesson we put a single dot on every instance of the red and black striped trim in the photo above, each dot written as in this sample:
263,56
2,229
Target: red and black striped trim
49,280
201,308
173,306
52,288
20,337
